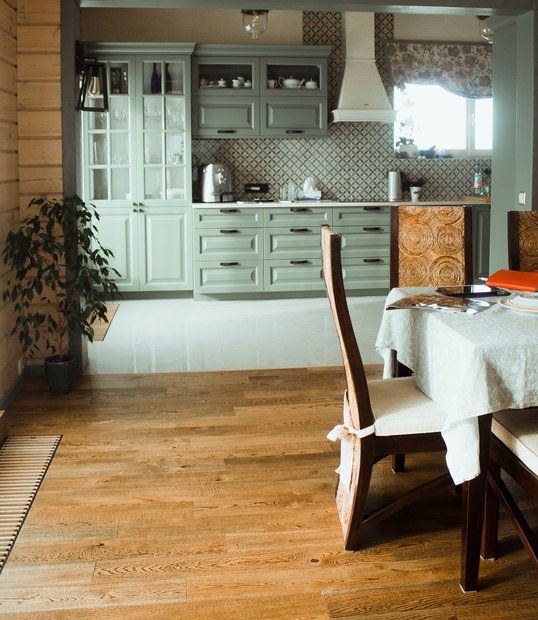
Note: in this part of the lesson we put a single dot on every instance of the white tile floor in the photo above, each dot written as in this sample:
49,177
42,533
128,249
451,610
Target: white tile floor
164,335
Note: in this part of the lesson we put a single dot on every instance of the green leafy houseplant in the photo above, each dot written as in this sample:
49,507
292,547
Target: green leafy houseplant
61,276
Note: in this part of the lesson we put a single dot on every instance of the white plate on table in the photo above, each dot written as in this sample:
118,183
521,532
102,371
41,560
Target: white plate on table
522,303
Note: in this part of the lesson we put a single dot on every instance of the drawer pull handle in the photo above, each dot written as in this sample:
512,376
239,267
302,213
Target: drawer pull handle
225,130
228,231
372,260
294,131
300,210
299,262
300,230
372,208
229,210
229,264
372,228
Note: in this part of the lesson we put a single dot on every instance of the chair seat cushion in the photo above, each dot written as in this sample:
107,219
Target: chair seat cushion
518,430
400,408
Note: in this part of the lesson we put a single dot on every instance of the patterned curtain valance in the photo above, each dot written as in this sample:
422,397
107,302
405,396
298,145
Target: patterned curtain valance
461,68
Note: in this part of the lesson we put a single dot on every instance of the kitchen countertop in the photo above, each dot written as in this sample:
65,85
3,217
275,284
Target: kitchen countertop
330,203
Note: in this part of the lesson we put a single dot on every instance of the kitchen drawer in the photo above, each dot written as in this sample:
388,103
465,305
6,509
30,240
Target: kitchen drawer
242,276
361,216
359,274
293,275
292,242
365,244
297,216
224,217
228,243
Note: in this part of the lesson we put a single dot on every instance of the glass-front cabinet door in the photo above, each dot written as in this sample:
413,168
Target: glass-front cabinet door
108,147
164,137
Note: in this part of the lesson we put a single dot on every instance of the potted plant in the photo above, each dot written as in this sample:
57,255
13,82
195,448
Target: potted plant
60,278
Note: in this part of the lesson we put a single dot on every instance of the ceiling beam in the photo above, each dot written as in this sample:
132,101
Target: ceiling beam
462,7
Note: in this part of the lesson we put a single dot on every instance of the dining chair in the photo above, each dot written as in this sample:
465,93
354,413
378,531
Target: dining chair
514,450
430,246
523,240
380,418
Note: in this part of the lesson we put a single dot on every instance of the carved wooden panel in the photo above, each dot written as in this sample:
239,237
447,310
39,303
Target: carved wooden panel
528,240
431,246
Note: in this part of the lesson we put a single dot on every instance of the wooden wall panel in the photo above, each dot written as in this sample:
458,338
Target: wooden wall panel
38,101
10,350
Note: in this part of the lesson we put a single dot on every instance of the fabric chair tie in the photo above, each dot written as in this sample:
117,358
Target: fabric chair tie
345,433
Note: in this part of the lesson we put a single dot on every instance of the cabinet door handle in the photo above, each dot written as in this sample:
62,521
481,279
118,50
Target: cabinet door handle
225,130
372,260
228,231
229,210
372,208
300,210
372,228
140,210
300,230
294,131
135,210
229,264
299,262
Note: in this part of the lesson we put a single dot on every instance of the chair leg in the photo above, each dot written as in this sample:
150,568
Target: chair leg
490,535
358,508
398,463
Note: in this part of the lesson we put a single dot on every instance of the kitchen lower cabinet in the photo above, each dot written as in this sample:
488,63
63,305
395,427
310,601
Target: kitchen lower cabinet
152,247
117,230
165,257
227,276
300,274
278,249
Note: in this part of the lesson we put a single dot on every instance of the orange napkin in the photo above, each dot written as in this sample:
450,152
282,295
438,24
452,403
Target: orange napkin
514,280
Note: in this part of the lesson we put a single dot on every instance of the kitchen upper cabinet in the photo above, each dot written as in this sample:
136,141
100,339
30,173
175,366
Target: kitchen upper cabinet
253,91
136,164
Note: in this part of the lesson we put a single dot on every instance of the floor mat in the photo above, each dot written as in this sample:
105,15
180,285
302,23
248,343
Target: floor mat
24,461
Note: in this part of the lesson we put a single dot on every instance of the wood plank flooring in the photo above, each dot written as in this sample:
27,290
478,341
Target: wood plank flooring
210,495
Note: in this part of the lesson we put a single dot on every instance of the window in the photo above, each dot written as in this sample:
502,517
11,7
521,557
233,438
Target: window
432,116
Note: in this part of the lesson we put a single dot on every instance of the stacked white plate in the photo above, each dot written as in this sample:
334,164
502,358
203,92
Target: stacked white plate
523,303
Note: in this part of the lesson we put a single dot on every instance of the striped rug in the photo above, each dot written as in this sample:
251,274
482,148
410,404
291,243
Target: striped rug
24,461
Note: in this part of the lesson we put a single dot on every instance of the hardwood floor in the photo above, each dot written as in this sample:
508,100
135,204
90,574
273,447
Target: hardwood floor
210,495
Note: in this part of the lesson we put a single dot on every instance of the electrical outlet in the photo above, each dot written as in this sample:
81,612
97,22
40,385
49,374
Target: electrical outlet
522,198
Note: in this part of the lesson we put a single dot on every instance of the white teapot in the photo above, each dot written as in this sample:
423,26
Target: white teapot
290,82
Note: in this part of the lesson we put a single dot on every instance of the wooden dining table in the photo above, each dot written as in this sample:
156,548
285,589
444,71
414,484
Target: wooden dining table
471,366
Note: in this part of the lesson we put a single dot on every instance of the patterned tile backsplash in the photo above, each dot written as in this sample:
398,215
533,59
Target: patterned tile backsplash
352,162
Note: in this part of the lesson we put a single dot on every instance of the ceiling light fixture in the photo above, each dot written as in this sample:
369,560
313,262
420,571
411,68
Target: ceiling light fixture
485,31
255,21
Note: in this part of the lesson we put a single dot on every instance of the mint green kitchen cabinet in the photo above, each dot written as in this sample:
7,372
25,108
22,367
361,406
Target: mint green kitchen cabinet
296,115
225,116
228,217
228,243
152,247
299,274
228,276
294,242
360,243
366,273
361,216
297,216
136,163
238,91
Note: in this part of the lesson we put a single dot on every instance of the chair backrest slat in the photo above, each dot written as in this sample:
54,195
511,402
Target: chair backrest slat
357,387
430,246
523,240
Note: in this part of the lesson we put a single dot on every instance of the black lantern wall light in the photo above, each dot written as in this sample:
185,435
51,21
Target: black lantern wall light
93,87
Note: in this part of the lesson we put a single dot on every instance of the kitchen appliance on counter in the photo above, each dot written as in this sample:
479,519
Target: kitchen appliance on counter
394,186
216,183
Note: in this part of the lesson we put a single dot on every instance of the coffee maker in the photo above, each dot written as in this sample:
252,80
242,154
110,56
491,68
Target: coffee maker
216,183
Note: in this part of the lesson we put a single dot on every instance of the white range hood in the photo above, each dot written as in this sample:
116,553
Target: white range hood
362,96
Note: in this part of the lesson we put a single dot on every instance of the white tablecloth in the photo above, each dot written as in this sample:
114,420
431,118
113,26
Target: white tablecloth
468,364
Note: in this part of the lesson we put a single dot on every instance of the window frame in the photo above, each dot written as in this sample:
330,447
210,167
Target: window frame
470,151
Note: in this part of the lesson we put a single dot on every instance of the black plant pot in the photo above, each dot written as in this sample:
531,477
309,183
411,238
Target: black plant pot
59,370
